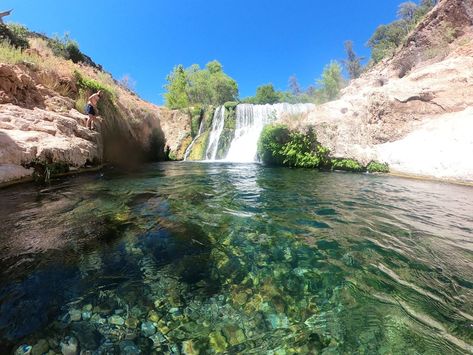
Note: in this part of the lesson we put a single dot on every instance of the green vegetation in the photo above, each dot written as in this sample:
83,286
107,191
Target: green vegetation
15,34
347,165
279,146
353,62
375,167
331,83
200,147
265,94
89,86
13,55
66,48
194,86
328,89
196,115
388,37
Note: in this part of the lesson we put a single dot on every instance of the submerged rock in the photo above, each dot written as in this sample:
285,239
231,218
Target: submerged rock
234,335
70,346
24,350
132,323
278,321
116,320
40,347
75,315
188,348
148,329
153,316
128,347
218,342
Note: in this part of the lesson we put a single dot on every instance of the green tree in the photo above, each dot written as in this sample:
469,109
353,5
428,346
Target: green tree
386,39
195,86
424,8
331,82
176,96
266,94
353,62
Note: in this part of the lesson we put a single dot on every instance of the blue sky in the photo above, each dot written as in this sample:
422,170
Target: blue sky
257,41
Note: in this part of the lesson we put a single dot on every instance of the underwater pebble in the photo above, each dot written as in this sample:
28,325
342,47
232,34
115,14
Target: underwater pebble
132,323
127,347
87,308
24,350
278,321
153,316
148,329
69,346
97,319
157,339
188,348
75,315
86,315
174,310
40,347
234,335
116,320
217,342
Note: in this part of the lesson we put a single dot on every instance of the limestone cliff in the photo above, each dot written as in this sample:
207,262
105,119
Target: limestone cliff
414,110
41,121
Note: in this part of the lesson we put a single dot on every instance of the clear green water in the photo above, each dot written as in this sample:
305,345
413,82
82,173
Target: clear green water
238,259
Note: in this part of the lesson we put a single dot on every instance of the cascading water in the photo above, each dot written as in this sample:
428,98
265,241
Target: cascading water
217,128
250,121
189,148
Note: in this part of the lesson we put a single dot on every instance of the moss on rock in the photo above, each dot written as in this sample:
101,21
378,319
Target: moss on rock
200,147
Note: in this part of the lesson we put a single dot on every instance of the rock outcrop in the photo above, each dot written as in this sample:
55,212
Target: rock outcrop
29,136
411,111
39,124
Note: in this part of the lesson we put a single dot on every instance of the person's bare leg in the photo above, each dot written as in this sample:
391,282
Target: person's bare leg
92,123
89,121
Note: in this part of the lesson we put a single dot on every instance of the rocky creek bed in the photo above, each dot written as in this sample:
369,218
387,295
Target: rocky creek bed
208,258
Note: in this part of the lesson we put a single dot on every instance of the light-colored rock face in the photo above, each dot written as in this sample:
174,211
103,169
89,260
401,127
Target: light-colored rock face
27,136
441,147
176,126
416,123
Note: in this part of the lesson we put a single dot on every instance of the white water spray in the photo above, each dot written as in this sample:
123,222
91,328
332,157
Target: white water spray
250,121
217,128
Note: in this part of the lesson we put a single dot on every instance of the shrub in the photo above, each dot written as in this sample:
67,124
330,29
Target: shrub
301,150
90,85
347,165
15,35
279,146
272,139
375,167
67,48
19,35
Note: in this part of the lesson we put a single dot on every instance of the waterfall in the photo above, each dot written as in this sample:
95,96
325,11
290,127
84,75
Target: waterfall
189,148
217,128
250,121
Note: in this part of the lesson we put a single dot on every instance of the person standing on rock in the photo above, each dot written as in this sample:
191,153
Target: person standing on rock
91,109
